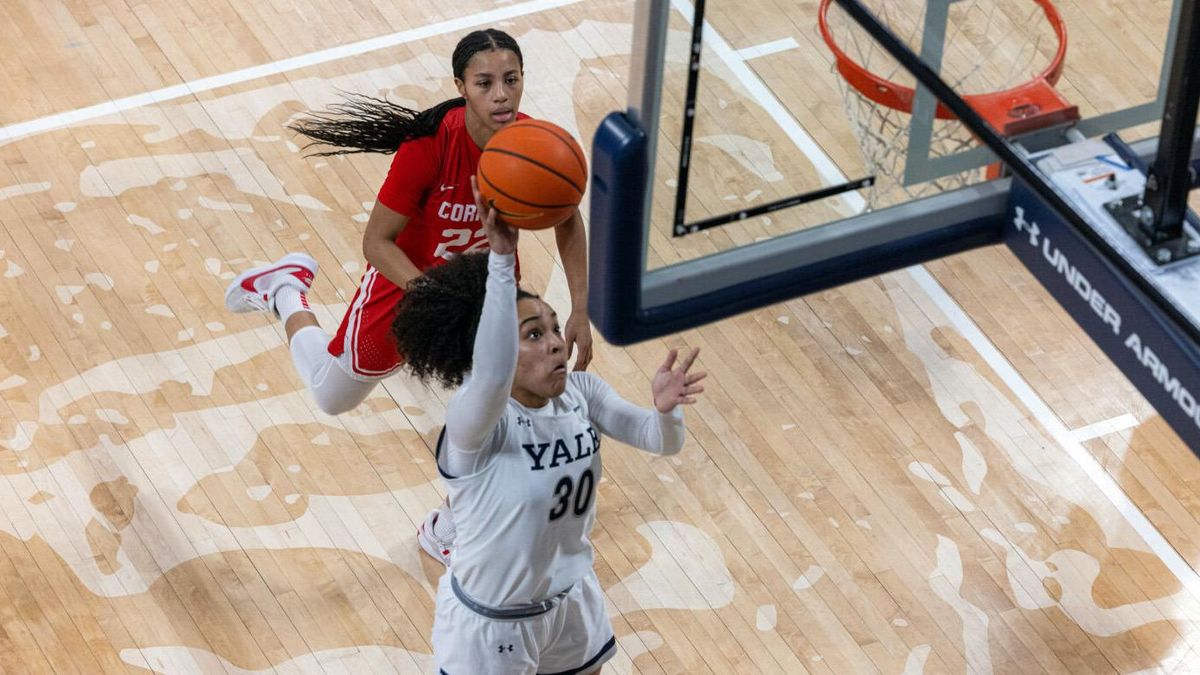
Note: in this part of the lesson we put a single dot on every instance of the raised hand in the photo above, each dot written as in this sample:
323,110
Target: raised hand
501,237
578,333
676,386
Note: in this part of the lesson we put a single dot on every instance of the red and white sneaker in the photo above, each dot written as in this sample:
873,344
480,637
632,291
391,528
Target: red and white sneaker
438,549
254,289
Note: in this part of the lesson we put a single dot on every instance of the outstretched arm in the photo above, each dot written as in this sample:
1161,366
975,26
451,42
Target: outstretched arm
477,407
658,430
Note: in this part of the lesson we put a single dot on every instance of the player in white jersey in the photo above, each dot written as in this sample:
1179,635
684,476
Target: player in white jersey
520,456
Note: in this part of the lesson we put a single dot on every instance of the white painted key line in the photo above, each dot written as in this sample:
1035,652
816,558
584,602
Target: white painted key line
767,48
59,120
1104,428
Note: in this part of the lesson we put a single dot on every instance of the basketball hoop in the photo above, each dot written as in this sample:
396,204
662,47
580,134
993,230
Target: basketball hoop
879,107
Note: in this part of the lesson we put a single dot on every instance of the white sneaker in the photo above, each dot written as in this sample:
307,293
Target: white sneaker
437,549
254,289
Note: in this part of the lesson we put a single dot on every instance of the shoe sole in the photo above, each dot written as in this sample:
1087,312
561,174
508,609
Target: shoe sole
235,287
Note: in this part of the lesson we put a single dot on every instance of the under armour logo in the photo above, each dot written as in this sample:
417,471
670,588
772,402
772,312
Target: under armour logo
524,422
503,648
1025,226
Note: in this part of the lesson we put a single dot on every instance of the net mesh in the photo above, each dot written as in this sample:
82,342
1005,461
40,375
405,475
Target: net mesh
990,45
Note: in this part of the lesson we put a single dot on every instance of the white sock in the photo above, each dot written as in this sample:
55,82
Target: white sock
443,526
288,300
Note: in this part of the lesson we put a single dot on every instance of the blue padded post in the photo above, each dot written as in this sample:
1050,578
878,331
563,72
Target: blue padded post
618,200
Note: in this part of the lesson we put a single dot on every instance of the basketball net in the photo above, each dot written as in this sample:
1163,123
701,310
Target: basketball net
995,54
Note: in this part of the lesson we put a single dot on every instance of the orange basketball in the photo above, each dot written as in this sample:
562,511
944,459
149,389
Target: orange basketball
534,173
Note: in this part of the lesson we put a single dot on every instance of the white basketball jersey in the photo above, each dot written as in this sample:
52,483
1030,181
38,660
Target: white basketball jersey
523,520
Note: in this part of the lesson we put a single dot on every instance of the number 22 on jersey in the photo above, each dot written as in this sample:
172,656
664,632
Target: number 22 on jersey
454,237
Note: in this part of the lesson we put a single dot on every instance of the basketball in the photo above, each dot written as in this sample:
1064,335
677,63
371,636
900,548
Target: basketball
534,173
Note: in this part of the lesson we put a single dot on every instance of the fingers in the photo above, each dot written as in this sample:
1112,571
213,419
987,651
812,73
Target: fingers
695,377
685,364
585,346
569,338
475,191
582,332
689,360
585,358
487,214
670,362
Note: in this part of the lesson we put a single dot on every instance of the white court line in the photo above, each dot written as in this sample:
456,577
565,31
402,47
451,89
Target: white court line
826,169
1063,436
1104,427
767,48
959,319
42,124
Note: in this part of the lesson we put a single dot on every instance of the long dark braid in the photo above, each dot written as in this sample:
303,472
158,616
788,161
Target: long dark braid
367,124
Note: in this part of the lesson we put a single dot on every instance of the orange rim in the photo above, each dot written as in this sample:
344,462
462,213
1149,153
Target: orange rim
899,97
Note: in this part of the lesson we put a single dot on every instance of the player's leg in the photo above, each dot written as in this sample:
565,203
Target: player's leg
281,288
334,390
465,642
583,636
340,372
436,534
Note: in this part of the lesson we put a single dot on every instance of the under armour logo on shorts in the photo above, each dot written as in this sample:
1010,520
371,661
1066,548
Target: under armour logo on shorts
502,648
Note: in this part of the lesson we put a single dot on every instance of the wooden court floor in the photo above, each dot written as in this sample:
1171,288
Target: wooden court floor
930,471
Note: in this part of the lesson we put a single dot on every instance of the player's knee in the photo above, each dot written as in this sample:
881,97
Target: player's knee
335,402
333,405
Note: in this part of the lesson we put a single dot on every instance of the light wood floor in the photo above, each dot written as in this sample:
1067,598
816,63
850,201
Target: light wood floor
899,476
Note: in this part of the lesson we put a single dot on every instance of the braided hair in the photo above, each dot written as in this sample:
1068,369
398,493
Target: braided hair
438,317
364,123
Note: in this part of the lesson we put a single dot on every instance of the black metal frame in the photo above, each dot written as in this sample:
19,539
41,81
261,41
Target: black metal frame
1160,222
1017,162
681,226
689,118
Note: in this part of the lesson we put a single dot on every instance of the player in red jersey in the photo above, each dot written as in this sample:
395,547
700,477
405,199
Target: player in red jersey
424,215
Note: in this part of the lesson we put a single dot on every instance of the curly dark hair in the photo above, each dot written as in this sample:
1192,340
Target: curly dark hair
438,316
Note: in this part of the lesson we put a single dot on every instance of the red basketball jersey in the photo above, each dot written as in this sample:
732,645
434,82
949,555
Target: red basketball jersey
430,182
